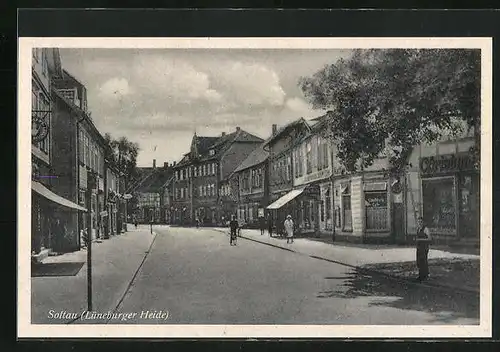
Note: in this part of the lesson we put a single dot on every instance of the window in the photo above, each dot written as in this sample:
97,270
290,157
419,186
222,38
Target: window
196,171
177,175
213,169
211,152
200,191
288,168
309,157
439,203
296,162
376,210
346,208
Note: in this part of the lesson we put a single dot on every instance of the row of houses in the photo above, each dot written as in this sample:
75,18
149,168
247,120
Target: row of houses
295,172
77,194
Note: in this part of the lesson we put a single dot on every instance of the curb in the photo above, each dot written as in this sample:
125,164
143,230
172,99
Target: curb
120,301
365,270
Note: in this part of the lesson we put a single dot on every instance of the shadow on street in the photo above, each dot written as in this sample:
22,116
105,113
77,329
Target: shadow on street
445,305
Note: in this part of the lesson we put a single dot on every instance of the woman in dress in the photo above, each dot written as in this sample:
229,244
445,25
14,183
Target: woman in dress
288,224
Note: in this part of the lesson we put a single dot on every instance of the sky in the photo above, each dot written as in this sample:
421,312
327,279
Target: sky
159,98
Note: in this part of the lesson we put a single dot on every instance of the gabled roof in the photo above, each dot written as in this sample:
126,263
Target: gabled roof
153,181
258,156
218,144
287,127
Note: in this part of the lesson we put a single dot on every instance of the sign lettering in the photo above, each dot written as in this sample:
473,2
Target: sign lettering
447,163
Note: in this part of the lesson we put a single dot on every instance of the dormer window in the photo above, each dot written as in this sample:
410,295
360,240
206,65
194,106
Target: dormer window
211,152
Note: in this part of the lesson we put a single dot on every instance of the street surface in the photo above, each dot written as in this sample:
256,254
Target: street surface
193,276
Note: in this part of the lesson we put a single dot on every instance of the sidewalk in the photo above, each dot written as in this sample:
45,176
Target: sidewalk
449,270
114,263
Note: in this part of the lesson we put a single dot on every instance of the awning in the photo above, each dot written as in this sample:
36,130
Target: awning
285,199
47,193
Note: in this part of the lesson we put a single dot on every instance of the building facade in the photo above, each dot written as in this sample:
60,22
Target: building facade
253,188
283,197
149,194
82,156
52,208
443,186
312,172
198,176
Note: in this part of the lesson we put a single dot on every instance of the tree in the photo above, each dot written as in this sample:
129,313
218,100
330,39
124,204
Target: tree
122,154
392,100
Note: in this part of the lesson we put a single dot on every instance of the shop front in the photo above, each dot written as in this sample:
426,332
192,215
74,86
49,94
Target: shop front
302,204
51,224
450,195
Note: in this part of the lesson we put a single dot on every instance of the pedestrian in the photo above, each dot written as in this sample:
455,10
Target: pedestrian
270,226
288,224
422,242
197,223
262,224
233,227
135,221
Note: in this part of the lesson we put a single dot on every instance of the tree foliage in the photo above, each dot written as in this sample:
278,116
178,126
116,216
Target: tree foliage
393,99
122,153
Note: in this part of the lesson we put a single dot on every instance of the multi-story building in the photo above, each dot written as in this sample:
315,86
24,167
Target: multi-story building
253,188
149,192
52,207
442,184
112,196
80,151
229,198
282,195
312,171
199,174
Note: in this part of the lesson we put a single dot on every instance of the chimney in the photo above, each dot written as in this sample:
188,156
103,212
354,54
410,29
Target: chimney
275,128
237,129
223,134
175,162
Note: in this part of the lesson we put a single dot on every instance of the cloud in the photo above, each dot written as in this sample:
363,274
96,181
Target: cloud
173,79
115,88
298,105
251,84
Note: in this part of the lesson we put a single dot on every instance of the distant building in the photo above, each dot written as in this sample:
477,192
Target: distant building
198,176
149,192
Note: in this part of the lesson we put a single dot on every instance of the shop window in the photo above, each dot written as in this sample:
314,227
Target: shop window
376,210
439,203
346,209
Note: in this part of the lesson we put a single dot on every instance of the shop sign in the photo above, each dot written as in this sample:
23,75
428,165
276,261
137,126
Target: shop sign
319,175
375,186
447,163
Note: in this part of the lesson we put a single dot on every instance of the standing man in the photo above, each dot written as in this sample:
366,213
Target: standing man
262,224
233,226
288,224
423,241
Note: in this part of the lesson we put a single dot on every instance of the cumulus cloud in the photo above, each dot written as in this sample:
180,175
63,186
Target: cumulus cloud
253,84
115,88
173,79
